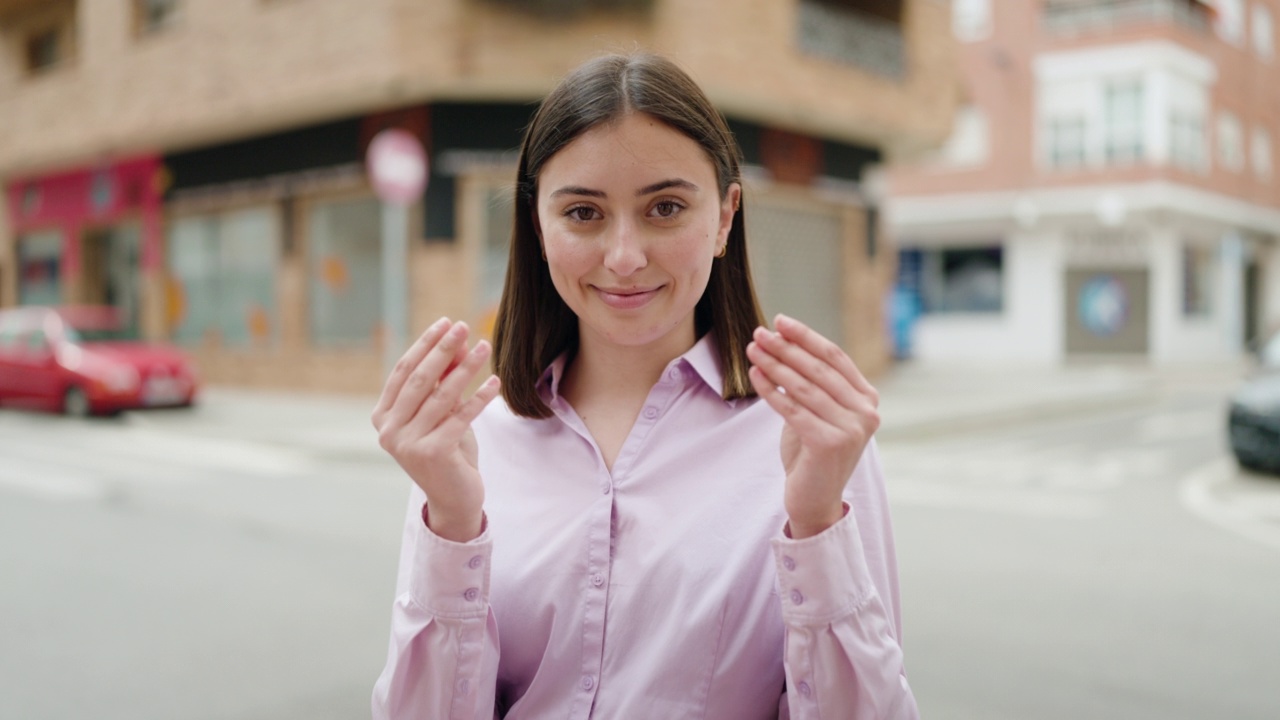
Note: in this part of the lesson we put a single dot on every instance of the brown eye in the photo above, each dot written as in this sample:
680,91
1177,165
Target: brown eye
581,213
667,208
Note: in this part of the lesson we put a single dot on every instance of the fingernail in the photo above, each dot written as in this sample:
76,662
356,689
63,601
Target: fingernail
458,330
438,323
782,319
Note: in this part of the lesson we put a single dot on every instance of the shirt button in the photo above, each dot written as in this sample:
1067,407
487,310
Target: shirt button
588,682
796,597
475,562
788,563
674,374
803,687
650,413
463,687
471,594
604,489
597,579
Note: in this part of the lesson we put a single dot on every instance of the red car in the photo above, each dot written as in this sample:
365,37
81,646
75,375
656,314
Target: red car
77,360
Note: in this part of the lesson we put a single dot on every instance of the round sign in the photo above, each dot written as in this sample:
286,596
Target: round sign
397,166
1104,305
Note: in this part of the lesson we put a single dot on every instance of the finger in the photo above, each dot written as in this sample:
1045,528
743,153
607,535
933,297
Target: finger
795,414
422,380
814,342
447,396
816,370
407,362
453,426
798,388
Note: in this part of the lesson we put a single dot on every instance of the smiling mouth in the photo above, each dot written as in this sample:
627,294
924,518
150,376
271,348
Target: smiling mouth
627,299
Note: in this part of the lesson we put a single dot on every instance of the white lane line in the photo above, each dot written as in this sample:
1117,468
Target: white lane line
49,481
1197,494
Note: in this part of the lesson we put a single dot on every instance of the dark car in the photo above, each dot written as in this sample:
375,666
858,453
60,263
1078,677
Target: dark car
1254,422
81,361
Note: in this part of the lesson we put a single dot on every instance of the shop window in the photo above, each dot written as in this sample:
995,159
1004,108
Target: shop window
1186,140
1124,126
1066,142
224,278
345,273
1230,142
498,221
40,268
150,16
1198,270
957,279
798,265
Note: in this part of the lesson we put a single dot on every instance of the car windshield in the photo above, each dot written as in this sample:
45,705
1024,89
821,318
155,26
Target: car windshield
97,334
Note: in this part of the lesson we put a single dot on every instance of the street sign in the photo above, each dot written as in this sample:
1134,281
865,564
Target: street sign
397,166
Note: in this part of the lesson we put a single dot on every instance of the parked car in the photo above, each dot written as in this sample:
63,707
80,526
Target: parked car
80,360
1253,424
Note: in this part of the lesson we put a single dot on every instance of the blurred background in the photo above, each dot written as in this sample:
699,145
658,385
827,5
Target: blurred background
1049,230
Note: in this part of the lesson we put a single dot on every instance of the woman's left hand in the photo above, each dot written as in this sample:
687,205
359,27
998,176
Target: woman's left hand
830,411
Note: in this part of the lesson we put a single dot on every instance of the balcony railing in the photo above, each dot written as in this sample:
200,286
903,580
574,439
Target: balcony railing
851,37
1073,17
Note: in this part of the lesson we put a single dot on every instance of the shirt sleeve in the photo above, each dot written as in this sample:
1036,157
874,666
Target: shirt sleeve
442,661
839,593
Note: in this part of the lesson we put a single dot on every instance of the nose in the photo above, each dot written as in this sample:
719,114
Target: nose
624,251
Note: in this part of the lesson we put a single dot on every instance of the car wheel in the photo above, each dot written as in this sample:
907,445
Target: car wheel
75,403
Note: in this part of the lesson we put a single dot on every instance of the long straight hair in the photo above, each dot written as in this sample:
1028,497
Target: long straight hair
534,325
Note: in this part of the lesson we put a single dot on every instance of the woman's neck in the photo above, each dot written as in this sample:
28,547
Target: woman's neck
604,370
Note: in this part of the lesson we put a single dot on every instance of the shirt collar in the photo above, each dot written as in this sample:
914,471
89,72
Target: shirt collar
703,358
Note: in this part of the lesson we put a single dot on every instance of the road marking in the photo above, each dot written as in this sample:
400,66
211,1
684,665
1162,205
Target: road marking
1197,494
49,481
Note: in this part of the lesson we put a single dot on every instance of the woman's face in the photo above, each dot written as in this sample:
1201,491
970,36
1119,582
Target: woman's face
630,218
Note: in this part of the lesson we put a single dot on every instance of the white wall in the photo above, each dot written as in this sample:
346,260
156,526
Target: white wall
1030,328
1175,338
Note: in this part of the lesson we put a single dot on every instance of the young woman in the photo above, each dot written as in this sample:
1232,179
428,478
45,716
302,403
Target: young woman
676,512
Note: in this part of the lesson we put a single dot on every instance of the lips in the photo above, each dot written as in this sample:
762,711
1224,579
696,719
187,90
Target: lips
626,298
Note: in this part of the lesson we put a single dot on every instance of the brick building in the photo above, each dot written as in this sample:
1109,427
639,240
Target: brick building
1111,189
199,163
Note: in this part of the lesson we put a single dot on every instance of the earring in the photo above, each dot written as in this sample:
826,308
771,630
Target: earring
724,249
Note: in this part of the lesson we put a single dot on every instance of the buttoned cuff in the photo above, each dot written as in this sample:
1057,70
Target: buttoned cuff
824,577
451,579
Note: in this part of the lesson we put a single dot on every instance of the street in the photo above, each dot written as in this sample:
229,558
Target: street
1077,566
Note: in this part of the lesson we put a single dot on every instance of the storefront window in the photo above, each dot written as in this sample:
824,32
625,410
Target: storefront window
224,268
40,268
345,273
957,280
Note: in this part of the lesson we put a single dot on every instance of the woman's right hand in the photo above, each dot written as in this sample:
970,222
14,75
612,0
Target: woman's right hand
424,423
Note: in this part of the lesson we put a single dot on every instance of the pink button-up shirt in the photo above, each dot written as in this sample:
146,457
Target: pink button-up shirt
666,588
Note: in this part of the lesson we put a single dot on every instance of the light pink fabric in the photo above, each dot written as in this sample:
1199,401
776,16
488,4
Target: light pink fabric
666,589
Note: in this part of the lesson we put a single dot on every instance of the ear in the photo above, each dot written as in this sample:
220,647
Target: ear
728,210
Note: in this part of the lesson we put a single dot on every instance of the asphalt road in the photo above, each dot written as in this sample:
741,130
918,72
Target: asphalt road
1055,569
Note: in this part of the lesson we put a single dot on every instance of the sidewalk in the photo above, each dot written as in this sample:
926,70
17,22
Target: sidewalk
917,401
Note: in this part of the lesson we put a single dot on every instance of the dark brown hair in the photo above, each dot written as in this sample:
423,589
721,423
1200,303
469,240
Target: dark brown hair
534,325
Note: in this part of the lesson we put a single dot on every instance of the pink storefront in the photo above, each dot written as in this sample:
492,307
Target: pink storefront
91,235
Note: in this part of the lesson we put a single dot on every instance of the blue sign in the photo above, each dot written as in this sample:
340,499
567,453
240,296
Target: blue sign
1103,305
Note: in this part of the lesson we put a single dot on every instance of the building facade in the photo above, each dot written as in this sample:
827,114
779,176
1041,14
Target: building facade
200,163
1111,187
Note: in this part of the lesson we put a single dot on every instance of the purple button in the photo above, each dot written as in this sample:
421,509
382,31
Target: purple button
475,562
588,682
605,489
471,594
674,375
597,579
788,563
796,597
804,689
650,412
463,687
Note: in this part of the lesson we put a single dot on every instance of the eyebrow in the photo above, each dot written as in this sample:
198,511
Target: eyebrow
646,190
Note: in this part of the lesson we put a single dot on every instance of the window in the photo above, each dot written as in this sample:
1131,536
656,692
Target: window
44,50
968,144
154,15
223,269
1230,142
1197,280
1066,143
1260,152
1186,138
957,280
1123,112
866,34
971,19
1263,31
40,268
1229,20
345,273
